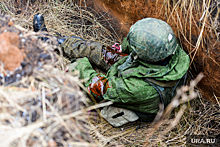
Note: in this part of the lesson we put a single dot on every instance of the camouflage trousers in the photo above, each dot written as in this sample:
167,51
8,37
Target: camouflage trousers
98,54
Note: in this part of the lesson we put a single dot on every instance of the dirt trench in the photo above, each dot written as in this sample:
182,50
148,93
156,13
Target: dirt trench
187,23
125,12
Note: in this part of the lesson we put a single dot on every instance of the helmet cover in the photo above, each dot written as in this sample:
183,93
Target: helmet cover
152,39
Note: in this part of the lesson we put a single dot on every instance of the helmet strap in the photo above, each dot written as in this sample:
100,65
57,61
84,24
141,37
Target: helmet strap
128,63
174,51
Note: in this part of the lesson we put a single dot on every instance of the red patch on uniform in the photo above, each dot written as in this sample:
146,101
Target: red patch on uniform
111,55
99,85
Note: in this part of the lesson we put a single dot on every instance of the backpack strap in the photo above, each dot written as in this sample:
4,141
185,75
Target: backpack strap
161,83
166,94
162,86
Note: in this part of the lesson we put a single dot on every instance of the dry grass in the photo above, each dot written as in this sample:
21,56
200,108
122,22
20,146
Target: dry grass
60,122
46,108
65,18
189,116
196,24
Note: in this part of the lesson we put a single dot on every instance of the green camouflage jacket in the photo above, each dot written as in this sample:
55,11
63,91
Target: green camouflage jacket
135,88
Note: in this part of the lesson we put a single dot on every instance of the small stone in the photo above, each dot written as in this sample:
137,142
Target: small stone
23,40
52,143
20,67
10,23
175,103
18,75
39,63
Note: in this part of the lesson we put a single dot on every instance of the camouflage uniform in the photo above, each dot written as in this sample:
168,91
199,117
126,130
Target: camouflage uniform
137,82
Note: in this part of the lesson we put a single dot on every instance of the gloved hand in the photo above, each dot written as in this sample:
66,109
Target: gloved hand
118,116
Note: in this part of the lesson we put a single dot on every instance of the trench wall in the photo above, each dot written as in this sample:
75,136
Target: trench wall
186,17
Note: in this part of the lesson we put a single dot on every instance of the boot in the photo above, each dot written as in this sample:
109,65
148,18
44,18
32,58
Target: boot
39,24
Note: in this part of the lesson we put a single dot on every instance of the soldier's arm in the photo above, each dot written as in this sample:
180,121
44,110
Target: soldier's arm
96,52
96,84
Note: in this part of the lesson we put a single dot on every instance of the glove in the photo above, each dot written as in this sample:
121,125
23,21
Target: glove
118,116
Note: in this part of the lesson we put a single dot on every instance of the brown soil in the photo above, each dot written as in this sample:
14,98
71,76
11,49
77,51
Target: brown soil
10,54
126,12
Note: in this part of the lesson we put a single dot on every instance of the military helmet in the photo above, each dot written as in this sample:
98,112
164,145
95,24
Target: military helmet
152,39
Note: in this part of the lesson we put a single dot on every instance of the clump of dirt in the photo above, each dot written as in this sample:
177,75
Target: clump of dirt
10,55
